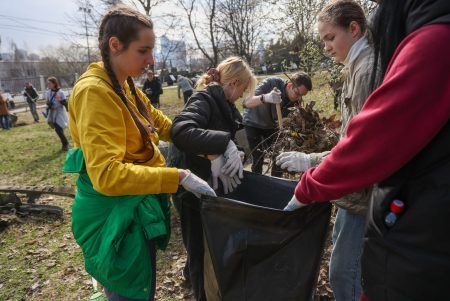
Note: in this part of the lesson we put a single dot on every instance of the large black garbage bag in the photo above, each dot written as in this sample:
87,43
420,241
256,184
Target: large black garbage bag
254,251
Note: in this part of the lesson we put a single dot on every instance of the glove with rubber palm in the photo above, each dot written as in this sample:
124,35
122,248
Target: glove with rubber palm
233,163
196,185
294,161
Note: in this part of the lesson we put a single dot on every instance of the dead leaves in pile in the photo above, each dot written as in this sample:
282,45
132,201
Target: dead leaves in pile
304,131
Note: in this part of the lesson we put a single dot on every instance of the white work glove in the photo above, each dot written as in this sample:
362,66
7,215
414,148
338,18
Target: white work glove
233,163
294,161
273,96
216,170
229,183
196,185
294,204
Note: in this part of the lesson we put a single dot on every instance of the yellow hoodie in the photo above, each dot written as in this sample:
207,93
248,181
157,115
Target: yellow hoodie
102,126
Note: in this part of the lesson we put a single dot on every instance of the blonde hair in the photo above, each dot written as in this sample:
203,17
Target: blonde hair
230,69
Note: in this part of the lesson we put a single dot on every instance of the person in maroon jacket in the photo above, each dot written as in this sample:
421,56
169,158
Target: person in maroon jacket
400,141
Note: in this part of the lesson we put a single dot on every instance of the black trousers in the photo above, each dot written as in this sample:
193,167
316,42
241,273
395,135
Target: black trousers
187,94
188,206
154,100
60,132
260,140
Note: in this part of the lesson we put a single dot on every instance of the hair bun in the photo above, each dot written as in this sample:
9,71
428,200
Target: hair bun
214,73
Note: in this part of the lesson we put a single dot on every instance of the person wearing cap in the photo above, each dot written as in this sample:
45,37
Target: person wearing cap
260,117
152,88
399,141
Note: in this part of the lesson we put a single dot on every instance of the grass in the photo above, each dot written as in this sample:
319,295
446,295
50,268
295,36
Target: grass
39,259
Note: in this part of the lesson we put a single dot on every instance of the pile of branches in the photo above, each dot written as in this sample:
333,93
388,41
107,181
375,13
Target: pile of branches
304,131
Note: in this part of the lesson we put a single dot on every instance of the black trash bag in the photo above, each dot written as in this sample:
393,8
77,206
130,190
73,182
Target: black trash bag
254,251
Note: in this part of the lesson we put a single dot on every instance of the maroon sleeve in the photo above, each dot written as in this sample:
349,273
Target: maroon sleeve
397,121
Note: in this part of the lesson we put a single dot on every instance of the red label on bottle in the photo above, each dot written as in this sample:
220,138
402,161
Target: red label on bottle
397,206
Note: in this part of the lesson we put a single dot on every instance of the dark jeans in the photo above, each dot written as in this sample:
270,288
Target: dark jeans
154,100
187,94
33,110
152,253
60,132
188,206
260,141
5,122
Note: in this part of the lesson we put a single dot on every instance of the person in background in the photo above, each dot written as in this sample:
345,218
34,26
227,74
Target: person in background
342,27
184,84
121,211
56,114
4,113
400,141
32,97
260,116
152,89
204,131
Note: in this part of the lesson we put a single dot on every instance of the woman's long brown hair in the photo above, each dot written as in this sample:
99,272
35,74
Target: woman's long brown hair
125,23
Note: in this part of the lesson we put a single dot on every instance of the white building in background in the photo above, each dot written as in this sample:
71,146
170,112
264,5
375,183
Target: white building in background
259,53
173,52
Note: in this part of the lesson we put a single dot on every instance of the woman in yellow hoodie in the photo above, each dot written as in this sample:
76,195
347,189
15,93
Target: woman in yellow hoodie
120,215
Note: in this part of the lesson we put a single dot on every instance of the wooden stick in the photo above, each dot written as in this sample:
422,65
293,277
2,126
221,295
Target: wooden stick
279,116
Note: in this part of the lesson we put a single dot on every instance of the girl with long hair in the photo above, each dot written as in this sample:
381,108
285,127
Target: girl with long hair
121,213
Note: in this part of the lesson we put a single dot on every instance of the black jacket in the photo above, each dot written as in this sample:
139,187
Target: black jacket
204,127
152,89
31,94
412,259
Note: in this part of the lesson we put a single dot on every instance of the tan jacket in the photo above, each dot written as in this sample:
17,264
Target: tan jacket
3,107
355,91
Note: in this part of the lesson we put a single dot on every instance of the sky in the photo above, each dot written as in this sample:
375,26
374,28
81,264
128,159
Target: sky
33,25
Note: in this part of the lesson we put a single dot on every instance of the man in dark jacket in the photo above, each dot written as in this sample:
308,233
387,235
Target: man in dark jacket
152,88
32,96
260,120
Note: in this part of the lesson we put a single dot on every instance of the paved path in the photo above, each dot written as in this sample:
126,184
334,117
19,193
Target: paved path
26,109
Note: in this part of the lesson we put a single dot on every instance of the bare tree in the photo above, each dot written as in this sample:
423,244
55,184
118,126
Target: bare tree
205,28
64,61
87,17
242,21
368,6
300,16
148,5
170,49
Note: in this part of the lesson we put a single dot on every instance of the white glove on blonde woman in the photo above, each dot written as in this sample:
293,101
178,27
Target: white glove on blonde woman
216,170
228,182
233,163
196,185
294,161
273,96
294,204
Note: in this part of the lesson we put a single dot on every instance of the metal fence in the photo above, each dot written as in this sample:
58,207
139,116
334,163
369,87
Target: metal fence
16,85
